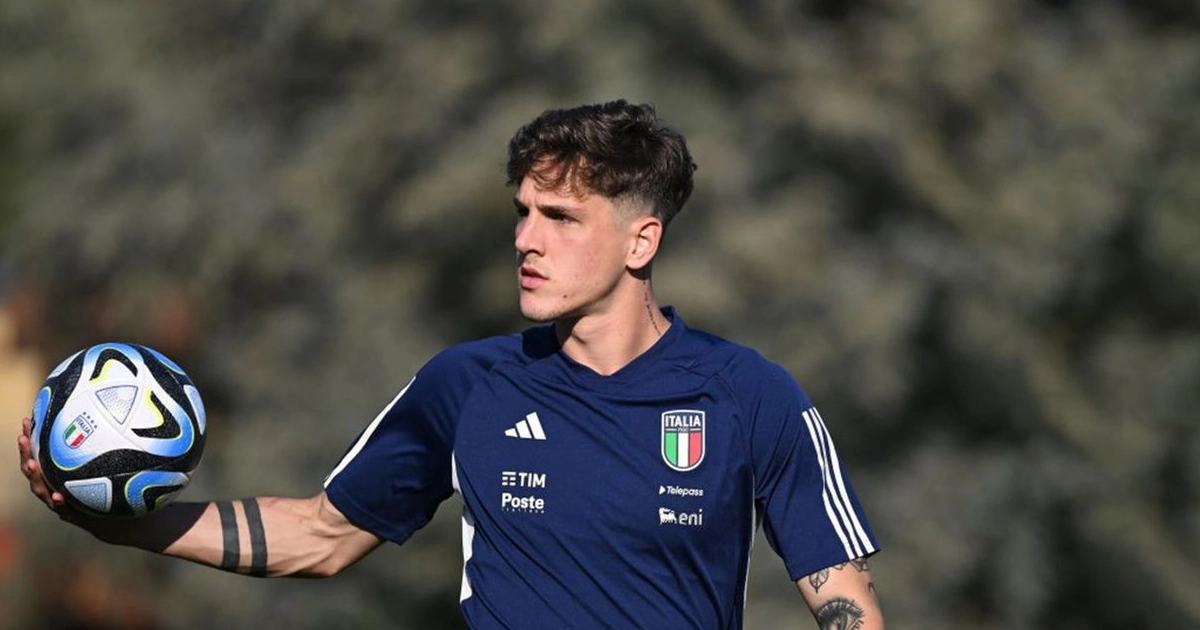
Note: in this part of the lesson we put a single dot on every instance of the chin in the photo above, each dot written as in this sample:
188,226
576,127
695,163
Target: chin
542,314
537,315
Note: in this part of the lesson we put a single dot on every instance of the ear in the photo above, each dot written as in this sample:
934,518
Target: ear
645,235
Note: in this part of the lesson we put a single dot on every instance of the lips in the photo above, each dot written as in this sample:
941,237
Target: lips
531,278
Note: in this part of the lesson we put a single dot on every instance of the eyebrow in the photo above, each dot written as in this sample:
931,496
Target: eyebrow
548,208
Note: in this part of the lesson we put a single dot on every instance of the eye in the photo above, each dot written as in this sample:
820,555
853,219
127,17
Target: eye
560,217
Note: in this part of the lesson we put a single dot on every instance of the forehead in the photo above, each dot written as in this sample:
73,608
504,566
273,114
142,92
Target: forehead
532,194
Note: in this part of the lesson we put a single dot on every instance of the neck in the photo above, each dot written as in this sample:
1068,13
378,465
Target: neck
608,340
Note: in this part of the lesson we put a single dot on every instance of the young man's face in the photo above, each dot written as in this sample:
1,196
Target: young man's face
571,252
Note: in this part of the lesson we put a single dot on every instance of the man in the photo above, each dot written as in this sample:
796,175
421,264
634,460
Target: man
613,463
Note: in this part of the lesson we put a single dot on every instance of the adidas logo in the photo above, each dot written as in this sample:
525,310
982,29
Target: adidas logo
528,429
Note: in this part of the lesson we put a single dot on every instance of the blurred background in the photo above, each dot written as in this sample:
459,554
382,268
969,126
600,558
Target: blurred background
968,227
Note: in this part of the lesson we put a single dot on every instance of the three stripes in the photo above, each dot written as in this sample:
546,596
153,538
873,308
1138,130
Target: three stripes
528,429
838,507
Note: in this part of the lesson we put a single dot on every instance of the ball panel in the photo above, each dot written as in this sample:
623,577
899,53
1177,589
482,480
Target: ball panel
198,406
76,438
169,429
61,383
36,419
106,357
168,376
63,366
117,400
125,461
167,362
145,490
94,494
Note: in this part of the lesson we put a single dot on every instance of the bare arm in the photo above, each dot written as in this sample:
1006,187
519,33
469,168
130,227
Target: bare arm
265,536
842,597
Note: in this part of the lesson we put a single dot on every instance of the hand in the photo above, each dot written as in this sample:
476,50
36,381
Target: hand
33,472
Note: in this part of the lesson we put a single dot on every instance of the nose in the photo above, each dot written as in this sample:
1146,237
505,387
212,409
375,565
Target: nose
526,237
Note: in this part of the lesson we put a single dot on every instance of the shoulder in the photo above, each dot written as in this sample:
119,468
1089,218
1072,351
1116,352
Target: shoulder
444,383
741,366
481,355
756,383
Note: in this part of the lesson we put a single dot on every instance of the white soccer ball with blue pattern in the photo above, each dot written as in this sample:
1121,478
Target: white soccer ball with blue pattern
118,429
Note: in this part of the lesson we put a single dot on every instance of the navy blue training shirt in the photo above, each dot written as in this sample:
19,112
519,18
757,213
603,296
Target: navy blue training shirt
621,501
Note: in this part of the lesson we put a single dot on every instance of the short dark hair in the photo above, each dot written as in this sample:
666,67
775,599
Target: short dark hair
615,149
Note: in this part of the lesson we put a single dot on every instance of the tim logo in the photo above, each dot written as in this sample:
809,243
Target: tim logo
518,479
683,439
667,516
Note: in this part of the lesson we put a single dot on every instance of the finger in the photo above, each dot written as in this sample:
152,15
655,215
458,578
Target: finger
37,483
33,473
27,434
24,448
35,469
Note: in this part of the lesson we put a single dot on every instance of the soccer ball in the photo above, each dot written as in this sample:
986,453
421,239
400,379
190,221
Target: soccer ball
118,429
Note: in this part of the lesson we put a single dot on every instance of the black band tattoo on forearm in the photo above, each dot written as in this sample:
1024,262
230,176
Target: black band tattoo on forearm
231,551
840,613
229,536
258,538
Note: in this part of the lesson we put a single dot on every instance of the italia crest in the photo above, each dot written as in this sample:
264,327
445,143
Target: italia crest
683,439
78,431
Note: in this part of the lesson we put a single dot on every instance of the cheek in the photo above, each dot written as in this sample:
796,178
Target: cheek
595,264
600,268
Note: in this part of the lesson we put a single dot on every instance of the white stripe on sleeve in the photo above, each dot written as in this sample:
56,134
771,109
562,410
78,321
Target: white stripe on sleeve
366,435
830,483
833,519
841,488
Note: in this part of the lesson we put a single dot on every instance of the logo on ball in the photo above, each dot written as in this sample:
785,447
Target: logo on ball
78,431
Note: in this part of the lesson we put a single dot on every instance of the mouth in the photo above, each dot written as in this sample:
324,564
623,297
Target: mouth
531,278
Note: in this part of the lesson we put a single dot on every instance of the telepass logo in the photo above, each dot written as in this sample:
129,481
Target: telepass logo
683,439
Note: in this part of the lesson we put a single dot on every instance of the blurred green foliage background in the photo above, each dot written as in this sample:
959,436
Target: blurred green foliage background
969,228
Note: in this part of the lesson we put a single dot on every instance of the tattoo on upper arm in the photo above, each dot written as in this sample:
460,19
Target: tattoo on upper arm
840,613
818,579
231,552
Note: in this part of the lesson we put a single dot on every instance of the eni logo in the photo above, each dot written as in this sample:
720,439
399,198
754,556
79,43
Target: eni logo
667,516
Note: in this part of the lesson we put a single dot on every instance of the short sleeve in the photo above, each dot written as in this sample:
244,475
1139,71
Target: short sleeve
392,479
810,513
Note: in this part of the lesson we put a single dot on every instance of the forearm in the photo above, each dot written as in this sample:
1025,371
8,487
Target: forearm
843,597
849,613
266,536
